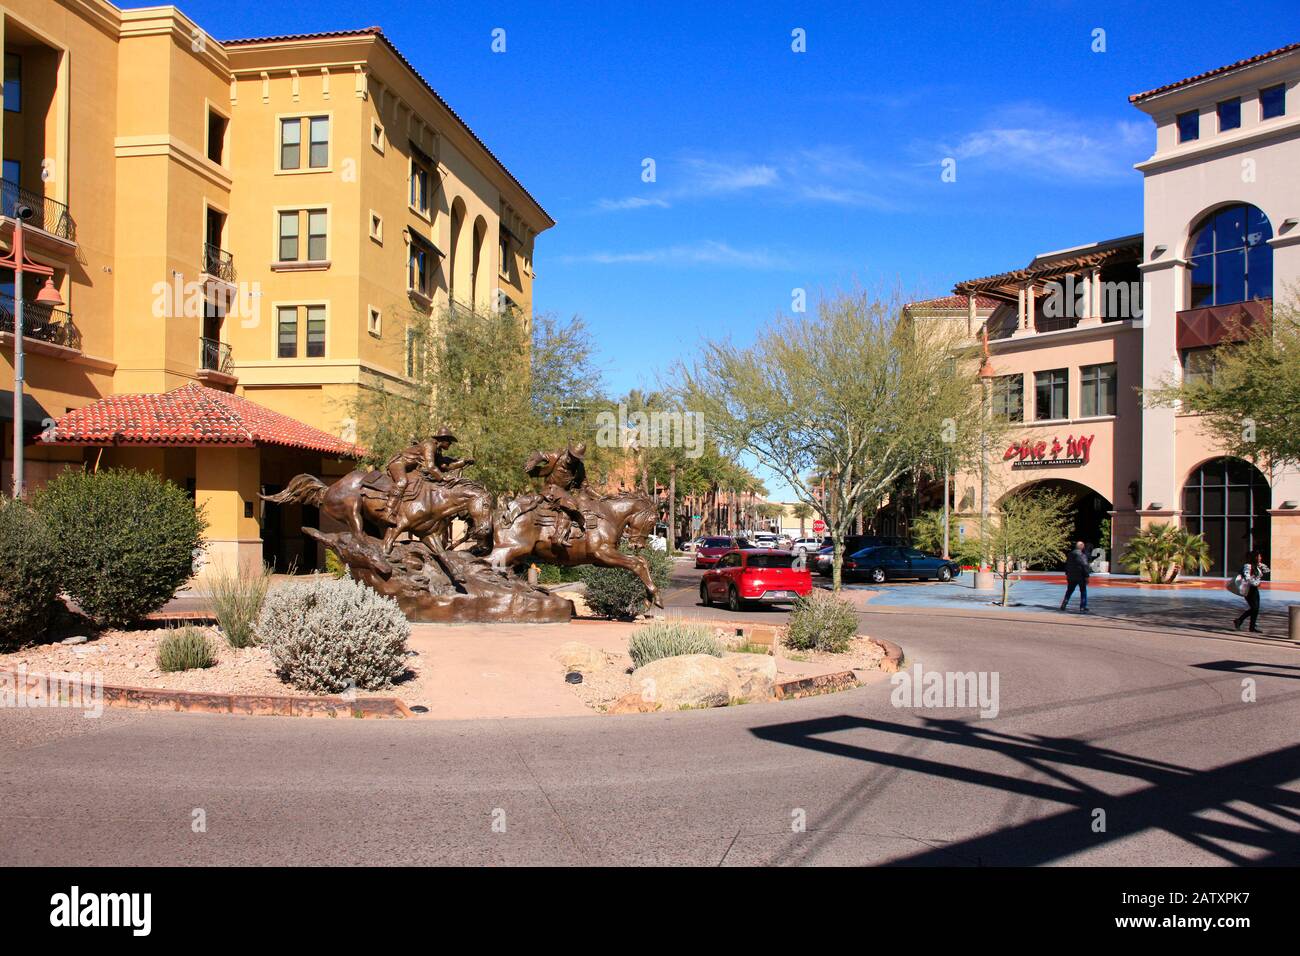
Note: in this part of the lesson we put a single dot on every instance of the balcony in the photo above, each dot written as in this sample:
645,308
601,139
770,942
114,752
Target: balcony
48,215
41,324
1212,324
218,263
216,364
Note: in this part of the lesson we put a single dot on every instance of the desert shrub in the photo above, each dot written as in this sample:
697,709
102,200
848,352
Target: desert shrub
125,540
184,649
29,574
671,638
328,635
557,574
235,596
820,621
334,565
615,593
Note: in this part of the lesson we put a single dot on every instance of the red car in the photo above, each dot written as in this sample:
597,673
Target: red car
760,575
709,550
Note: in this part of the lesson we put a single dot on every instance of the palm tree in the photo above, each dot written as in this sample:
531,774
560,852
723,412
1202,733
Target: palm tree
1160,552
803,511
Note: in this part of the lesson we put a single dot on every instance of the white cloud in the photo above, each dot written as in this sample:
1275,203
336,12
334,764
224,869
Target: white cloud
630,202
707,252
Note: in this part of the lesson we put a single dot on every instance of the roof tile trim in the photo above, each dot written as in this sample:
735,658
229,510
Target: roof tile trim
1249,61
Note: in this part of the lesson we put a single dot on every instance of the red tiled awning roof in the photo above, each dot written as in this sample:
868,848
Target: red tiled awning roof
1249,61
956,302
189,416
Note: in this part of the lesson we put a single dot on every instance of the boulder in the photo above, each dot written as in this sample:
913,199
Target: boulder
583,658
756,673
691,680
632,703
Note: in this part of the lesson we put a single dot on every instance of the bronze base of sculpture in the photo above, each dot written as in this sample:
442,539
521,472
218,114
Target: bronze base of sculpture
452,587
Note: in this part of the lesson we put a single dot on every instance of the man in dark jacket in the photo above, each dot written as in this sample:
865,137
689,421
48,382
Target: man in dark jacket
1076,576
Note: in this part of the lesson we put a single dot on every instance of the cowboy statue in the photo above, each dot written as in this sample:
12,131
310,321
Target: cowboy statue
562,472
428,459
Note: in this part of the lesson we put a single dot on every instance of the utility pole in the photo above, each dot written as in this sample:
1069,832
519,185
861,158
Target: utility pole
672,507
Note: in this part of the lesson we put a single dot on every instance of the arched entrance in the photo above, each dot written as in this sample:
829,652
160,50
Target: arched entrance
1227,501
1091,512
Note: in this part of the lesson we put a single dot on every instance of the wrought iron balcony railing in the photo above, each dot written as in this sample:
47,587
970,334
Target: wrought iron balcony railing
48,214
215,356
218,263
41,322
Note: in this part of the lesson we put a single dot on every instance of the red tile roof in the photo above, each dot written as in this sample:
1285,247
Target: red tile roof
956,302
189,416
1139,97
379,34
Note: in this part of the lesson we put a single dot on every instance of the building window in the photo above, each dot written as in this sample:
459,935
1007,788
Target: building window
376,227
1229,114
1100,390
1009,398
291,143
13,83
1227,501
216,135
1051,395
419,187
504,254
315,331
286,331
316,235
374,322
1189,126
1273,100
1201,365
377,136
320,142
419,271
414,353
289,236
1231,258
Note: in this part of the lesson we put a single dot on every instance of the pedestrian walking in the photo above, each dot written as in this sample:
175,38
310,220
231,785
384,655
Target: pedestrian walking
1246,584
1076,576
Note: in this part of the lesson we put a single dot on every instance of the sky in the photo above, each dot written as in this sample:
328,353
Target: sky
777,170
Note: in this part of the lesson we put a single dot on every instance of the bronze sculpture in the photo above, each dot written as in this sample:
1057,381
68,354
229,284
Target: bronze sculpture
420,492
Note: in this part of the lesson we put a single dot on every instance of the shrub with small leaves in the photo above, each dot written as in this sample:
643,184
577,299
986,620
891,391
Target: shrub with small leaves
185,649
235,596
329,635
125,540
671,638
334,565
619,594
819,621
29,574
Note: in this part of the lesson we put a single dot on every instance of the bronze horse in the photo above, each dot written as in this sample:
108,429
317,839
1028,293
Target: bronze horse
521,537
422,516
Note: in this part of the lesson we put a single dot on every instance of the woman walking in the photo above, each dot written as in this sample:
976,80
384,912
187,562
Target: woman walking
1252,572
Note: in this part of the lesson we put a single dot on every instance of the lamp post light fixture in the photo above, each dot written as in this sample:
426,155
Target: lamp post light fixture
18,261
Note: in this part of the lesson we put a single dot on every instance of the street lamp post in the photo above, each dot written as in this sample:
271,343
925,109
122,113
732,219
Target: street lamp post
18,261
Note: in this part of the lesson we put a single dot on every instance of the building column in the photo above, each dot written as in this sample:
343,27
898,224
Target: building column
227,482
1159,494
1092,311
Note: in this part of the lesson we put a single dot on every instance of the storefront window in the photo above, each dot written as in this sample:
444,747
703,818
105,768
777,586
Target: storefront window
1099,391
1227,501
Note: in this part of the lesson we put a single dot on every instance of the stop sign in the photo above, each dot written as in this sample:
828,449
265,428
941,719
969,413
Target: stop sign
819,526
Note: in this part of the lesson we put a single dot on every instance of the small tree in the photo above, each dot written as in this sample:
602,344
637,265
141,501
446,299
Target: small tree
1031,527
1162,550
125,540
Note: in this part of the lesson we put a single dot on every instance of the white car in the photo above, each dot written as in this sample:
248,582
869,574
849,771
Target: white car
807,545
764,539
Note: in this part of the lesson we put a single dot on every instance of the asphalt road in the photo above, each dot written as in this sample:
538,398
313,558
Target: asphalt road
1113,744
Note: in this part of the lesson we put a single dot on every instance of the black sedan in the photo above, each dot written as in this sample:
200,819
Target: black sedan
878,565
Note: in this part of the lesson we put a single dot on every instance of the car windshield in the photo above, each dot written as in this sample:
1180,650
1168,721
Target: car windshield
717,542
770,561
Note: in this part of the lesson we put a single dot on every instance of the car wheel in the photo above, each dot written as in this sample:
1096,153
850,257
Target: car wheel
945,574
704,595
877,575
734,603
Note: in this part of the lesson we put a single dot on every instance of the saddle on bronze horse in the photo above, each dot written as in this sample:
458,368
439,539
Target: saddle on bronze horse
377,485
547,513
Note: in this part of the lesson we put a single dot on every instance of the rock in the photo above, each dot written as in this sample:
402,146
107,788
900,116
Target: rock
632,703
583,658
78,639
756,673
692,680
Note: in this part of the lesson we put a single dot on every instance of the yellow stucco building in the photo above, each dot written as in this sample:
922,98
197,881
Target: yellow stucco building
262,217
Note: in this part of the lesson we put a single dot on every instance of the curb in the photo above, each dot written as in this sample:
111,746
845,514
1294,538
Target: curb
893,661
814,686
199,702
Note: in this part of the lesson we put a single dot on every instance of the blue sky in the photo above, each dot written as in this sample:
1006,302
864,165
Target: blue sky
777,169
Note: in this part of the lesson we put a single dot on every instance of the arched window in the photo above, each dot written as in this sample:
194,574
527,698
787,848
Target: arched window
1231,258
1227,500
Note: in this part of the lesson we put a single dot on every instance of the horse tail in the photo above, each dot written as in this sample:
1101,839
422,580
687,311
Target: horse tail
302,490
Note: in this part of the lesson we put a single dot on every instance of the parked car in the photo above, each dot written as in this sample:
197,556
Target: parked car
756,575
883,564
807,545
824,561
784,541
709,549
766,539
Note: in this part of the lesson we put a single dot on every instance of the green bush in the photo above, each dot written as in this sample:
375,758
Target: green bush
125,540
329,635
235,596
185,649
615,593
671,638
557,574
820,621
334,565
29,574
